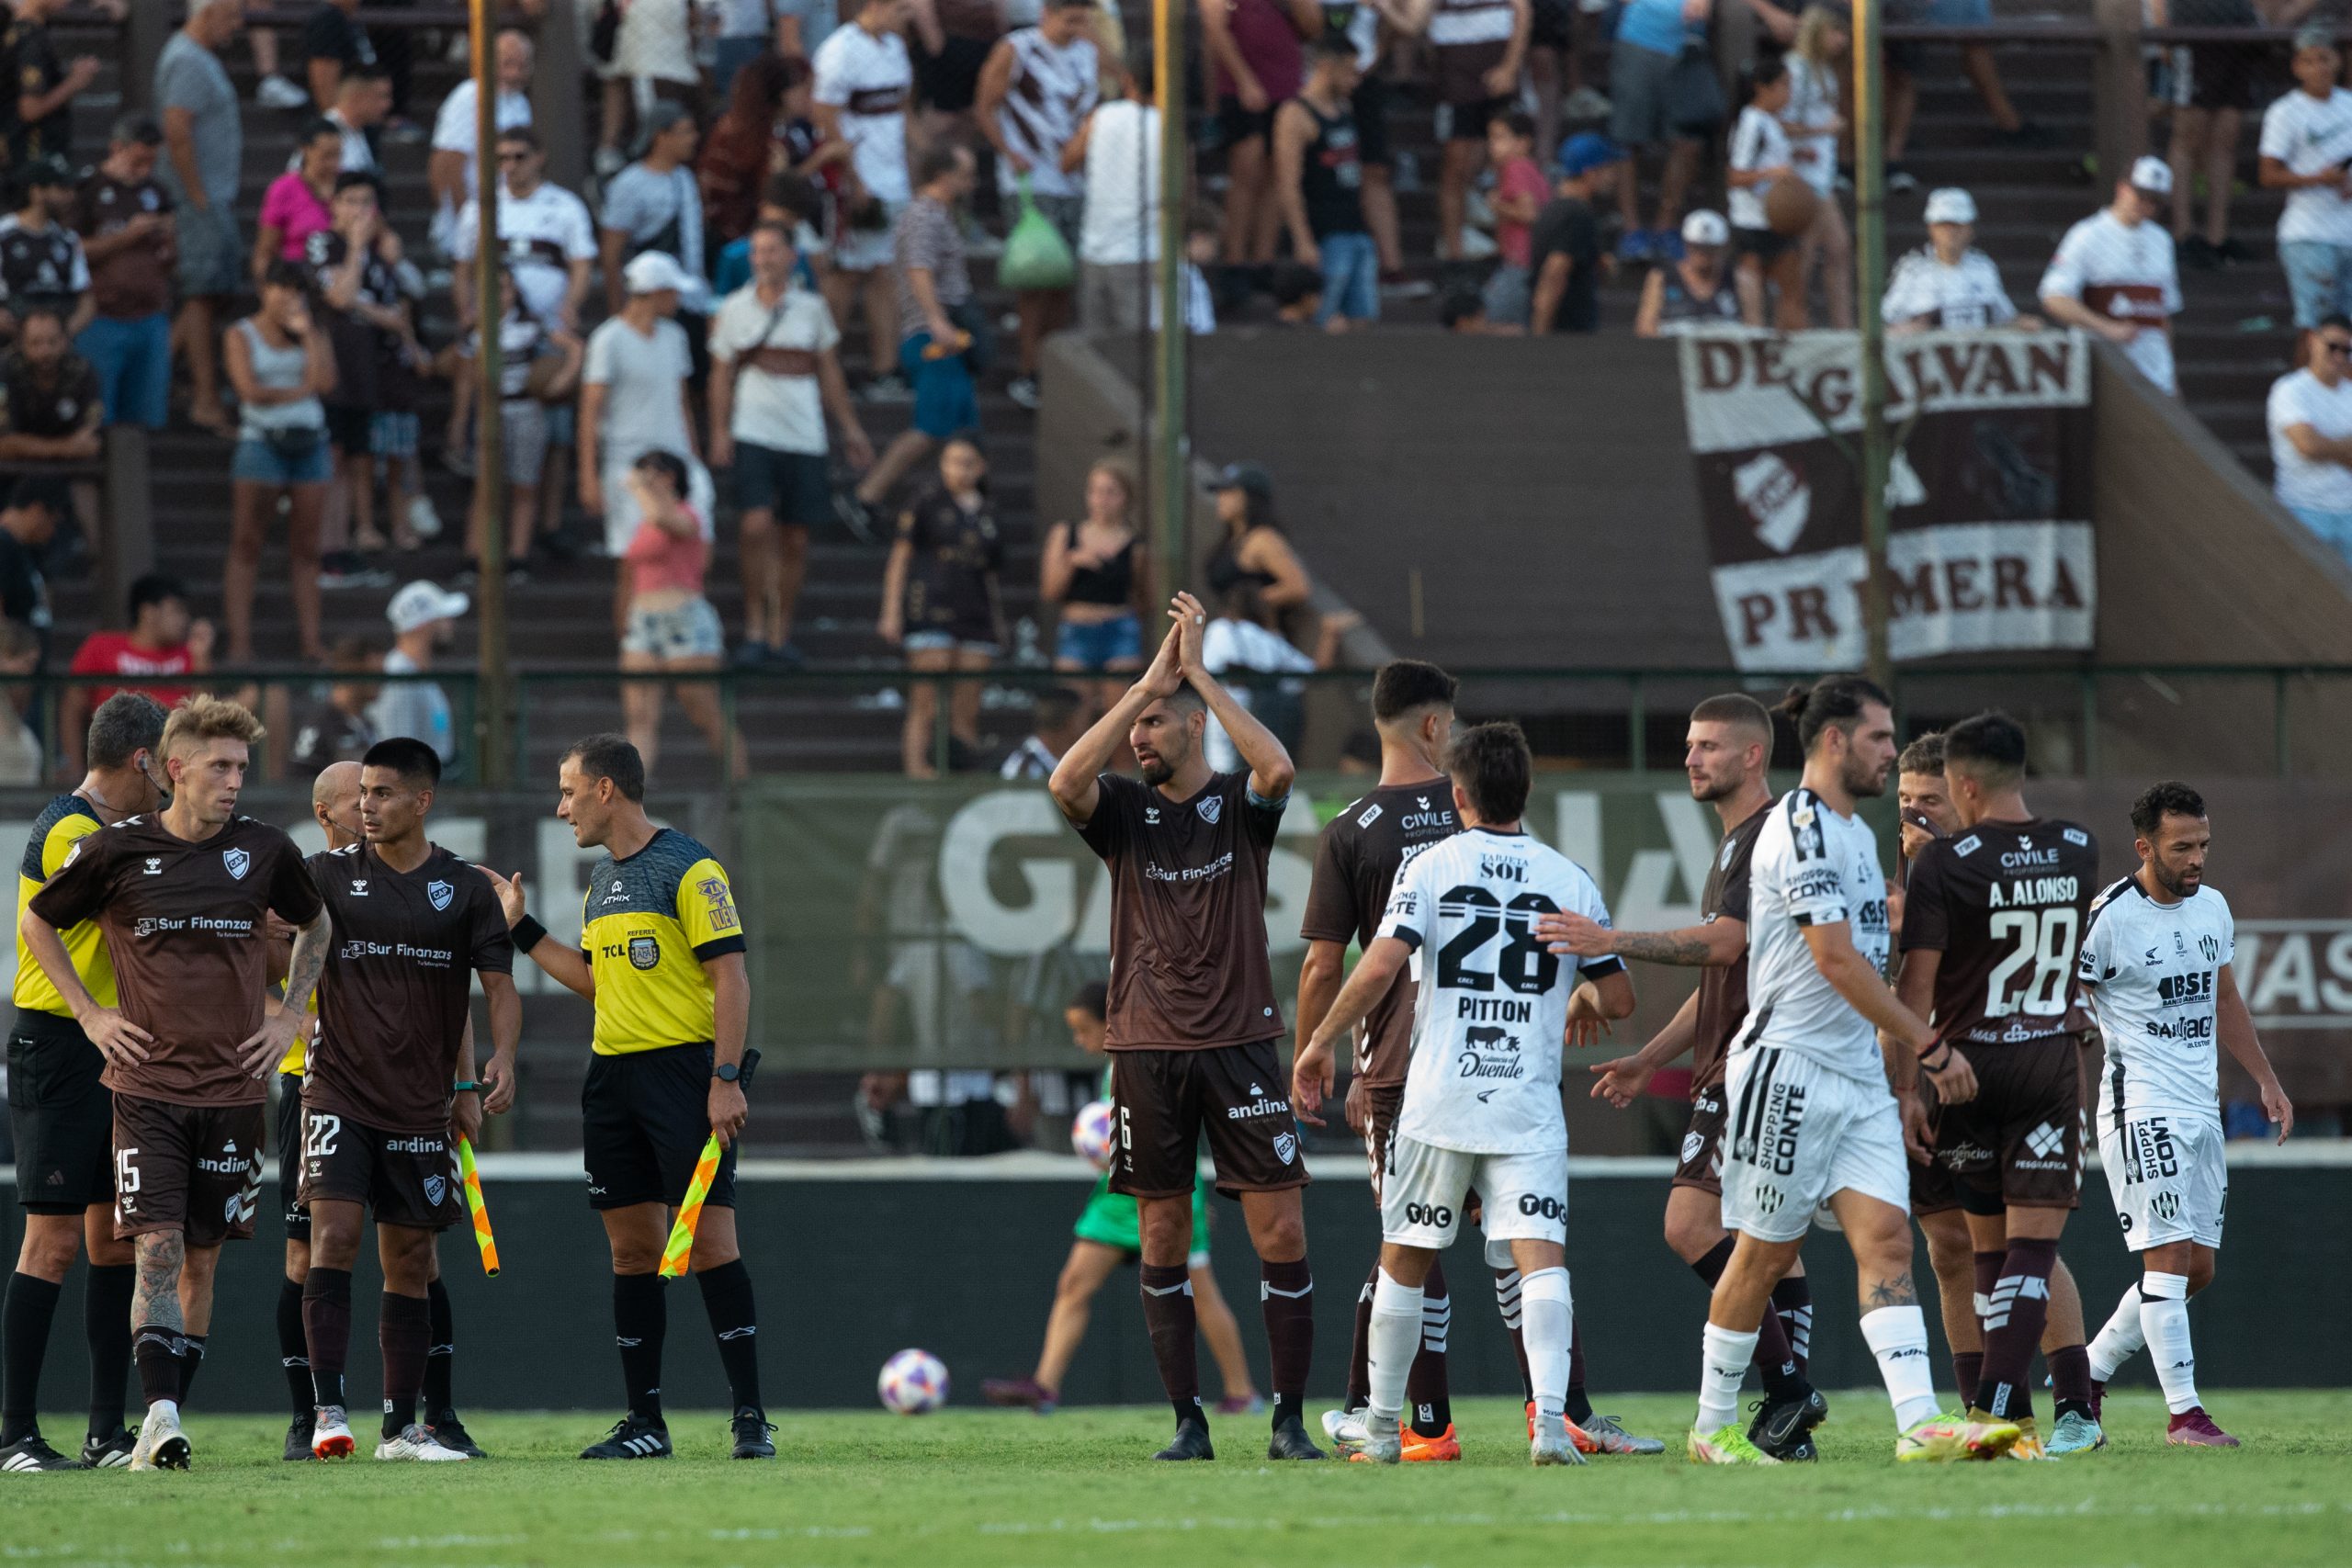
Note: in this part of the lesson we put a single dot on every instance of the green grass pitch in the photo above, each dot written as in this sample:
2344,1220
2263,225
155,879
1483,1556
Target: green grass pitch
977,1487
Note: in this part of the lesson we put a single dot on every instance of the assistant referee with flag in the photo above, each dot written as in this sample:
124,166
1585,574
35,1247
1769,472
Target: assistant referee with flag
661,954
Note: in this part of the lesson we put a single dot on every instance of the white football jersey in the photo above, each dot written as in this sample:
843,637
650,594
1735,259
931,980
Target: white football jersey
1811,867
2150,973
1493,1002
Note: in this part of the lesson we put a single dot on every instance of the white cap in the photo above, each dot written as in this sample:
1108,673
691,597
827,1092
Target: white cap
2153,176
1950,205
1705,228
423,602
654,271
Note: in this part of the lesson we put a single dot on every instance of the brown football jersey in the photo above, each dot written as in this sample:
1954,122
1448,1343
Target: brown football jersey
1189,965
1723,991
183,922
398,980
1362,851
2004,902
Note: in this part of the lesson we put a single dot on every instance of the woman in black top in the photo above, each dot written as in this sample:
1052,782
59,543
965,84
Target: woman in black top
1096,573
1253,549
940,599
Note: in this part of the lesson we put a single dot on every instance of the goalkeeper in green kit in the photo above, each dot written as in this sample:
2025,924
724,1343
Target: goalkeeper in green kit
1107,1240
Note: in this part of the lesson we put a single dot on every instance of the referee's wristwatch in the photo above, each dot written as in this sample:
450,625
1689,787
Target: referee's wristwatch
727,1072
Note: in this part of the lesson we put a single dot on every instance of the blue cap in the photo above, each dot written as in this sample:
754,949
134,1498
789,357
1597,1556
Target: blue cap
1586,152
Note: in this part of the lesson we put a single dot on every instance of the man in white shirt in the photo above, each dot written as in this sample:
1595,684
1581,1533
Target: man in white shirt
2309,416
2307,152
1118,238
363,97
450,168
633,400
545,231
2115,274
1948,283
423,617
776,372
865,81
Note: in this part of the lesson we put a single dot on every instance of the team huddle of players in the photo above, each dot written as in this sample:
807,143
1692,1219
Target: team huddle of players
1820,1091
146,1033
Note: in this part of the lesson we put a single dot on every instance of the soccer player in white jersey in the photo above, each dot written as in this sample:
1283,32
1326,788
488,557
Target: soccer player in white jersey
2156,968
1812,1114
1482,1090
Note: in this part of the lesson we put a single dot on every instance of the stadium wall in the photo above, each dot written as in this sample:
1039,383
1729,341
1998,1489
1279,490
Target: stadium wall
857,1260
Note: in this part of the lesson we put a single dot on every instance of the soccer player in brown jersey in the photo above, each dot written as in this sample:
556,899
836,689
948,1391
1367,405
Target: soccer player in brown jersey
390,1083
1992,920
1193,1022
1728,754
182,896
62,1117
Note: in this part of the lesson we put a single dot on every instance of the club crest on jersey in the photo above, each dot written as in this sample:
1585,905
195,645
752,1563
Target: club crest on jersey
644,953
439,893
1691,1144
436,1187
238,862
1285,1147
1211,808
2210,948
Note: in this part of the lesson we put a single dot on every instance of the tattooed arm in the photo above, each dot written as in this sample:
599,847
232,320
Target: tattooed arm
1715,944
264,1046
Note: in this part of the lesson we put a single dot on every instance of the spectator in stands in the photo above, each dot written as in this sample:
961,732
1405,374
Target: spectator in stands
1359,21
951,40
39,507
634,399
1319,181
1254,548
940,600
22,759
795,202
937,322
776,372
1661,102
654,60
672,626
333,42
1817,69
280,364
538,365
745,145
1946,282
654,204
164,641
46,85
335,729
53,406
2213,86
125,218
1695,293
41,261
450,168
1241,643
1761,154
299,202
2114,274
1254,47
1056,719
1097,575
363,99
750,31
1976,60
1296,289
272,88
362,275
2309,416
1564,254
2306,140
1519,198
205,140
863,81
1118,242
1476,49
424,617
1038,86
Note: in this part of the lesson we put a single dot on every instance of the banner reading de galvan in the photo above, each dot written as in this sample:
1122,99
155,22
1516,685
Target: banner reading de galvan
1989,538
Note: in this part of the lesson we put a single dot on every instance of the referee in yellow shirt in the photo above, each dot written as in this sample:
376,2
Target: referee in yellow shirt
661,954
63,1117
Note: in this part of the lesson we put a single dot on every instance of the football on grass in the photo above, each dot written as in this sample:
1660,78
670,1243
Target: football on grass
913,1382
1093,1133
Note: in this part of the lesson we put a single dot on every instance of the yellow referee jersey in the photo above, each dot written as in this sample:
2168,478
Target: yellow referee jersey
62,823
295,1053
646,925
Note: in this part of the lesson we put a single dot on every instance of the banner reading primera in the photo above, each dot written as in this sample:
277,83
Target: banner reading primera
1988,493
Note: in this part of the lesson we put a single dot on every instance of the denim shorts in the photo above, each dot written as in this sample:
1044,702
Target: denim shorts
258,463
940,642
686,631
392,434
1093,644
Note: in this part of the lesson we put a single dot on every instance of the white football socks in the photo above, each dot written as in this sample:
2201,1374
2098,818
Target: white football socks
1724,1355
1551,1322
1898,1337
2119,1340
1389,1346
2163,1318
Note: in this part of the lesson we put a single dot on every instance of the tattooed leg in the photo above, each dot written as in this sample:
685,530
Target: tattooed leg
158,1327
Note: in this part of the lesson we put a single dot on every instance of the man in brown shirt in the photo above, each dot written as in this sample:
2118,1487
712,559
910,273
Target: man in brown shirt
1357,863
1192,1020
181,896
124,216
390,1083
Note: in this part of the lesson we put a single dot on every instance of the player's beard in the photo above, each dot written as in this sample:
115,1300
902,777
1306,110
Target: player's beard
2180,884
1158,771
1707,788
1861,779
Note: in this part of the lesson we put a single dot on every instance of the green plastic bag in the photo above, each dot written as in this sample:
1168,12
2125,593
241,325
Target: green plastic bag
1036,255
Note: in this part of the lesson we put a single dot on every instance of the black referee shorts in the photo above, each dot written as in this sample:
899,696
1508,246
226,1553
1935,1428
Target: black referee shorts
645,1118
60,1114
